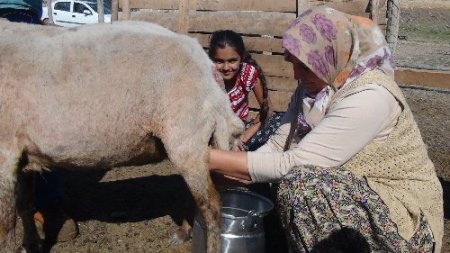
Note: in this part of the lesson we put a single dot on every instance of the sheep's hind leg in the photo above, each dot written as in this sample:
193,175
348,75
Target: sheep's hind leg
195,172
191,159
208,204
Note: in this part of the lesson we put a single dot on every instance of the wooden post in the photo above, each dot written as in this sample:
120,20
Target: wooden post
50,12
302,5
101,11
114,10
183,16
393,12
126,9
374,10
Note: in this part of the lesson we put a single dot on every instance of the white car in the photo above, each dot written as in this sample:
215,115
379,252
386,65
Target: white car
71,13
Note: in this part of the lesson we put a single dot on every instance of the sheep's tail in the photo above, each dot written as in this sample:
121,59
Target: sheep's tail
226,133
264,110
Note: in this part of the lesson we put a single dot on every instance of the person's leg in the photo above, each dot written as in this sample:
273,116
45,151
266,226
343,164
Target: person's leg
19,15
314,202
262,136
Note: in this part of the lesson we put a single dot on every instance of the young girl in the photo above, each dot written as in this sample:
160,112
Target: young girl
241,75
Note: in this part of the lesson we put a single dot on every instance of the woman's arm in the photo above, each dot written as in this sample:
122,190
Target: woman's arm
348,127
230,163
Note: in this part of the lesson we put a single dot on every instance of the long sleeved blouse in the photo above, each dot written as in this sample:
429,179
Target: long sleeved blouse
367,114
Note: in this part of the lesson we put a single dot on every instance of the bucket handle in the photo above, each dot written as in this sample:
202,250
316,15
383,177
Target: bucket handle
252,213
251,222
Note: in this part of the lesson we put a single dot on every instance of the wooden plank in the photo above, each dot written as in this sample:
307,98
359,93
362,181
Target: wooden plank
356,7
259,44
279,99
247,5
274,65
219,5
281,83
422,77
264,23
416,77
268,23
157,5
168,19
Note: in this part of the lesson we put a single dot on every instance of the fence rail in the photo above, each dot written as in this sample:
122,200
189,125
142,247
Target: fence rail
260,22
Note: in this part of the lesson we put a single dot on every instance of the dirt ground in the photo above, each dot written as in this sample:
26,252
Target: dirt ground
136,209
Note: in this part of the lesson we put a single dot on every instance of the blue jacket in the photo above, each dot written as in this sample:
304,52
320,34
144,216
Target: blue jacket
31,5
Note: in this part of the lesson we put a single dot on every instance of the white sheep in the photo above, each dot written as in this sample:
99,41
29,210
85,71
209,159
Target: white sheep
99,96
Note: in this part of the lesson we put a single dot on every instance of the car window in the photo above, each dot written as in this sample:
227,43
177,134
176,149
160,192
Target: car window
62,6
106,7
79,8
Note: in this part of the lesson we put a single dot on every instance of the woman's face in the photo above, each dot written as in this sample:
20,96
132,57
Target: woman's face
227,62
313,84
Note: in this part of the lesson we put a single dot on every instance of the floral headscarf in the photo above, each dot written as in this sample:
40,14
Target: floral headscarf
336,46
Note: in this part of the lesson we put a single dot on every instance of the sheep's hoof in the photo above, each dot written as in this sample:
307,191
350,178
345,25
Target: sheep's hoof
181,235
21,250
35,249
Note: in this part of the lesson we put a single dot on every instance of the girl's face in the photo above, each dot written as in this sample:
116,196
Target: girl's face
313,84
227,62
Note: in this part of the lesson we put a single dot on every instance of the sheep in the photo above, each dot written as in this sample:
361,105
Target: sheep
101,96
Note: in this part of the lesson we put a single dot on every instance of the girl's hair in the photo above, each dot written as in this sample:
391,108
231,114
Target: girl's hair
223,38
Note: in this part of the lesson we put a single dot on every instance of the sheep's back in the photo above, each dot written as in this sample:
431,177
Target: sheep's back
73,90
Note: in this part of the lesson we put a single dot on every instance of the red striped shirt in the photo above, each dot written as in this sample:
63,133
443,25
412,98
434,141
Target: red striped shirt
239,94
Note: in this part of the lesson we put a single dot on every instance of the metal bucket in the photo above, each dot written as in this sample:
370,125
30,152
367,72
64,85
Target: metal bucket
242,219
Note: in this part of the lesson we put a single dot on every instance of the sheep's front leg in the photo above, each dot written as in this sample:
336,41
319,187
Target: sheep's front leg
8,168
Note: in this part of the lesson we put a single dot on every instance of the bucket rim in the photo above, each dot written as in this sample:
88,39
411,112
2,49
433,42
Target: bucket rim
254,194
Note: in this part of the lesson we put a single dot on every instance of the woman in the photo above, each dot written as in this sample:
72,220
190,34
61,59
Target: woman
348,152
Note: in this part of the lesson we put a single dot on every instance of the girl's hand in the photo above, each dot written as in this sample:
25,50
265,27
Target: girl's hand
241,144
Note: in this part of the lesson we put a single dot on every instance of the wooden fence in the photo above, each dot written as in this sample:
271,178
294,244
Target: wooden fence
260,22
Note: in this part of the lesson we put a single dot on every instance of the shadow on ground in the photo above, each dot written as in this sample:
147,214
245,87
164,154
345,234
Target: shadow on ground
130,200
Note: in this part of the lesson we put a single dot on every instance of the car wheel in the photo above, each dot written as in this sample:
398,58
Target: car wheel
46,21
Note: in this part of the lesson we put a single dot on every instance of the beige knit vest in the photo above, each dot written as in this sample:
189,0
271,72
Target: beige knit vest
399,169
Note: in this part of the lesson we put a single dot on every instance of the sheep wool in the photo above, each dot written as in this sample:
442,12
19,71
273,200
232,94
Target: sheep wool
104,96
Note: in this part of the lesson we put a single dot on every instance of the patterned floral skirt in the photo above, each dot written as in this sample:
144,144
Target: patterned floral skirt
313,202
263,135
